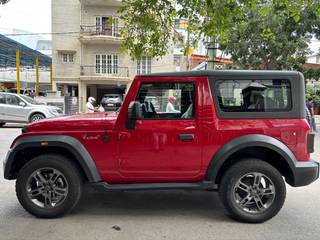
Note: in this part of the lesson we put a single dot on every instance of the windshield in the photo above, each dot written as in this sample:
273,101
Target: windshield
29,100
109,96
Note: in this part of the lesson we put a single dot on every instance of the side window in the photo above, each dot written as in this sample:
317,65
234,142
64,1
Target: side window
2,99
12,100
167,100
254,95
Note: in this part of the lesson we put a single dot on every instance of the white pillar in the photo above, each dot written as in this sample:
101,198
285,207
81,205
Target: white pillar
65,90
82,89
54,85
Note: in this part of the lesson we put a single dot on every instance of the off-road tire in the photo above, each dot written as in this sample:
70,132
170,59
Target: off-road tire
233,175
71,174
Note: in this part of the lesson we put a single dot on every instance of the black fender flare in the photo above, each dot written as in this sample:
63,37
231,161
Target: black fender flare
68,143
250,140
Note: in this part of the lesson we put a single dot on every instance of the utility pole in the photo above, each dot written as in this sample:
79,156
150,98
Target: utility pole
18,70
212,53
211,44
51,82
37,76
188,48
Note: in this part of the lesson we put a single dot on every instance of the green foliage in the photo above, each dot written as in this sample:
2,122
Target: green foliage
4,1
269,34
316,99
2,88
312,74
148,27
270,37
314,93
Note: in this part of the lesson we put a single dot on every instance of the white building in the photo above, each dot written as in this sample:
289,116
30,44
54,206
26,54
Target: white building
86,57
315,59
45,47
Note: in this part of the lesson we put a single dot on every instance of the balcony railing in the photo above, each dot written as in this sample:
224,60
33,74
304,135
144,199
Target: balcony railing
99,30
108,71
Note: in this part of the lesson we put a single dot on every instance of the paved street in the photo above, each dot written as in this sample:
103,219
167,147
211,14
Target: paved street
155,214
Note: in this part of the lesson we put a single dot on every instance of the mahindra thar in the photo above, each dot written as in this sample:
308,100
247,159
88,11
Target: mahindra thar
240,133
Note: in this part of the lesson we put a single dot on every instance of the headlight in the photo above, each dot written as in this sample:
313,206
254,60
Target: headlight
55,111
24,129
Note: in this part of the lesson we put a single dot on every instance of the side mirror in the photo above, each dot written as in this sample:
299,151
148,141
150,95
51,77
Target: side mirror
22,104
134,113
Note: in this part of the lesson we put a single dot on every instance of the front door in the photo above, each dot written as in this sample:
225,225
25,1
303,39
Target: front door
166,144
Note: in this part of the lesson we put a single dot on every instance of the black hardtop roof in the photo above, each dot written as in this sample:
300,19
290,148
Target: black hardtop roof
220,73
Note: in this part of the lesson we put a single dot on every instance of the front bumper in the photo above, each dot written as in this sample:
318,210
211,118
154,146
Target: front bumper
6,163
305,173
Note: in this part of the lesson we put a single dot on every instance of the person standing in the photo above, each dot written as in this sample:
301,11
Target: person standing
89,106
310,106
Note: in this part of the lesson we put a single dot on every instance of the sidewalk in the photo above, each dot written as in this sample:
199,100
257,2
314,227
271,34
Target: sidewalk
317,119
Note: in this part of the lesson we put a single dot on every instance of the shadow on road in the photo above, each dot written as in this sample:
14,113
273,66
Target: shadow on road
13,126
200,204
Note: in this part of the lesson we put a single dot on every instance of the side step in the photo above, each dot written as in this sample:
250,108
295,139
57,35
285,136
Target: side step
205,185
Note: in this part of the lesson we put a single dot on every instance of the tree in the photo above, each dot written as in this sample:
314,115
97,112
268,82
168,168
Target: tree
4,1
308,74
316,74
269,38
270,33
2,88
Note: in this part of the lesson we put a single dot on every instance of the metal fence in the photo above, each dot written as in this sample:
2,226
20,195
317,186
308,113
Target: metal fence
111,31
71,105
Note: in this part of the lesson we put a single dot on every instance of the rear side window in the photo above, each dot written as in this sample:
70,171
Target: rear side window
254,95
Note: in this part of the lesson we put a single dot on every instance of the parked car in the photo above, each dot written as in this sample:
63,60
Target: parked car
23,109
111,102
240,133
27,91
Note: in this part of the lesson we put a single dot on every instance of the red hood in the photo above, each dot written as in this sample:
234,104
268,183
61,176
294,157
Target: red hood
77,122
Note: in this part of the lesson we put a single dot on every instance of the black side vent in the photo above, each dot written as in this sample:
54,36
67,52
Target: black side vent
310,143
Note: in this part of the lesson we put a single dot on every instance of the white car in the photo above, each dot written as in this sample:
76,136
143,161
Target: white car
23,109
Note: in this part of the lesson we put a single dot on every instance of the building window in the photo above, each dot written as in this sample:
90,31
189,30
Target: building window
70,57
67,57
107,63
98,62
107,26
144,65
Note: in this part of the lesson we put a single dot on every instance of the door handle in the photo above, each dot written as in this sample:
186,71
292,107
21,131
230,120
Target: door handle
186,137
123,135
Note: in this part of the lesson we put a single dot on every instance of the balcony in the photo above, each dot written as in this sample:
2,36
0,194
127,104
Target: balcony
99,34
101,73
109,3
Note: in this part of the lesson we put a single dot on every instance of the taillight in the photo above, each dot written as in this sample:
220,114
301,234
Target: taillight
310,142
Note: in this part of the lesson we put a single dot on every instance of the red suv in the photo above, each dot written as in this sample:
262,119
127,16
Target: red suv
241,133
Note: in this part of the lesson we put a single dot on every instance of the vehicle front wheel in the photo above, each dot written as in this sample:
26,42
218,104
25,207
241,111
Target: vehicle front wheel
36,117
2,124
252,191
49,186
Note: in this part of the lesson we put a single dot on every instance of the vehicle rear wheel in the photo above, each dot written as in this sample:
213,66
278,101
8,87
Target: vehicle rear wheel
252,191
37,117
2,124
49,186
